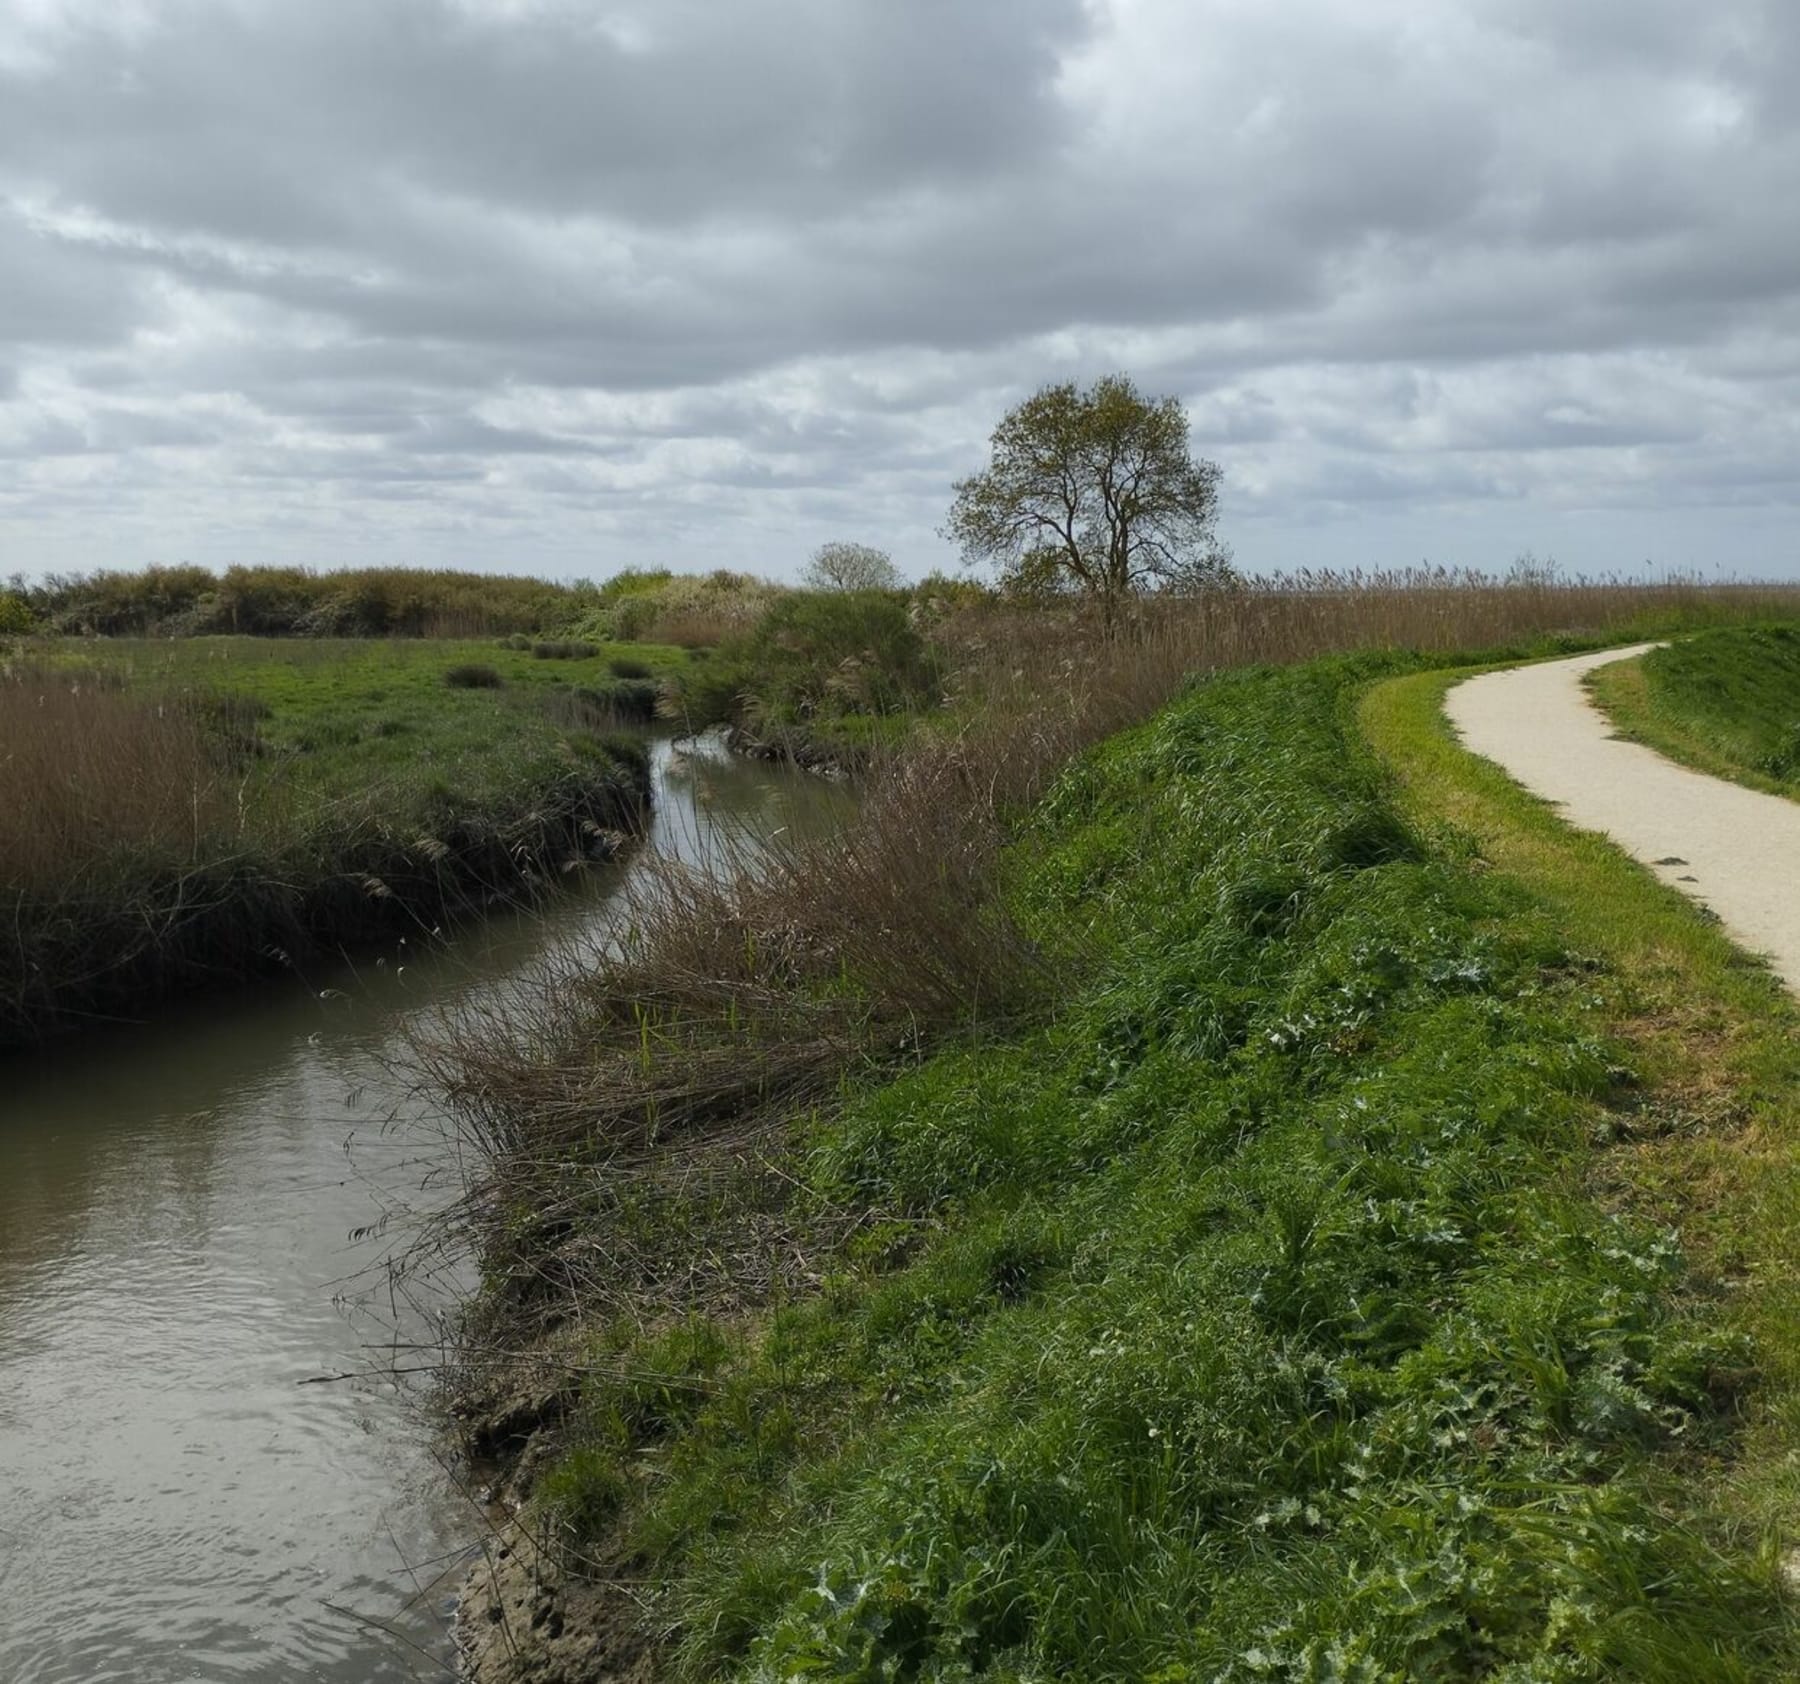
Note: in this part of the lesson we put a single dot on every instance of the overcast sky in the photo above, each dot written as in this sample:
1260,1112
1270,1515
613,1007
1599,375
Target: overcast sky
561,287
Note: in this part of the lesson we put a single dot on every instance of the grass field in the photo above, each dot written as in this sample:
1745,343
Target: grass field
346,721
1725,701
1298,1293
184,811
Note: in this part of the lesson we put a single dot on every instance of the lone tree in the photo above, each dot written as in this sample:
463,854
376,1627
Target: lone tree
851,567
1094,492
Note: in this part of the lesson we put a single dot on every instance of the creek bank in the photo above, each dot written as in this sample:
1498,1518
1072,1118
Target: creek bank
1235,1273
521,1617
818,755
522,1620
223,921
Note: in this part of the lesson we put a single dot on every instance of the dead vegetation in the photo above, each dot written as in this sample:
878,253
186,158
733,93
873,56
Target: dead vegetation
90,775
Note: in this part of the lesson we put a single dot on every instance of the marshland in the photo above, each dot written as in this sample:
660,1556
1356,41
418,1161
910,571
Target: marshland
177,813
754,926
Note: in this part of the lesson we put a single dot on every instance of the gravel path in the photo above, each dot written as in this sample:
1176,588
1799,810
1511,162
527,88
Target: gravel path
1733,849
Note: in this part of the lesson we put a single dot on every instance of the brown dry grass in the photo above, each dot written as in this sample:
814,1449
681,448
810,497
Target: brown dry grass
693,611
699,626
92,778
101,793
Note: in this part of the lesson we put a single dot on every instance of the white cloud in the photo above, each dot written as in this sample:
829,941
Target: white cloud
708,281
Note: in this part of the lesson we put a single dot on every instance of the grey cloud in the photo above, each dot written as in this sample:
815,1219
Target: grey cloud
122,430
790,104
55,294
468,436
46,438
734,271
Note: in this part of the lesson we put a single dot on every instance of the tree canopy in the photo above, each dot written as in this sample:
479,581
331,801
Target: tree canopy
851,567
1094,491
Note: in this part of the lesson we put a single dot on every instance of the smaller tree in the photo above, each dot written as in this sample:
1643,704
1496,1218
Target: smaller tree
851,567
1095,492
16,617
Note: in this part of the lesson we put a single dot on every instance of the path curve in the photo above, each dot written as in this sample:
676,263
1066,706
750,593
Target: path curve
1733,849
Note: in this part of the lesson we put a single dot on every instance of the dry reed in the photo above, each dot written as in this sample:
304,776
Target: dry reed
92,778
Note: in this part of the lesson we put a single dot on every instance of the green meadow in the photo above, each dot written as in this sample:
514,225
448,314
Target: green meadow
331,722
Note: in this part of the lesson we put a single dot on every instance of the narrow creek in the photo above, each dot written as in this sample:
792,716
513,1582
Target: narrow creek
200,1478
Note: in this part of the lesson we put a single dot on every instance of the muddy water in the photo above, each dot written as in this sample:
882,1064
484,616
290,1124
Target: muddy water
200,1479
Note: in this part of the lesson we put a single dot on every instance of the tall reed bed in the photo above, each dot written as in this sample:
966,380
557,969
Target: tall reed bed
94,782
102,792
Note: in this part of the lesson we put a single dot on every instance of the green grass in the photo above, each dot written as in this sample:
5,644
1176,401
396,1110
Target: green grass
1266,1315
348,726
1714,1147
1725,701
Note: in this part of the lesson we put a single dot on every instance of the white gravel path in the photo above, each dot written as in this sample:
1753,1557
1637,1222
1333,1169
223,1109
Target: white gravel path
1733,849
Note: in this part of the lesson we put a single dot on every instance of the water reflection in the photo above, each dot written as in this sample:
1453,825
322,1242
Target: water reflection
197,1479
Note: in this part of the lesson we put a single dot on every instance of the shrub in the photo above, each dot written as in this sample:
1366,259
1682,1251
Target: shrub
715,693
603,708
15,617
693,611
297,602
472,675
121,604
624,666
566,650
842,652
636,699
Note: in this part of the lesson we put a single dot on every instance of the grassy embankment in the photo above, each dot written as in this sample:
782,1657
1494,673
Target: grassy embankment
1726,702
188,811
1269,1274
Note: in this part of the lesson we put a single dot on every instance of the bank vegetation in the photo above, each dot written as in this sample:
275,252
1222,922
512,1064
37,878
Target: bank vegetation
1121,1207
178,815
